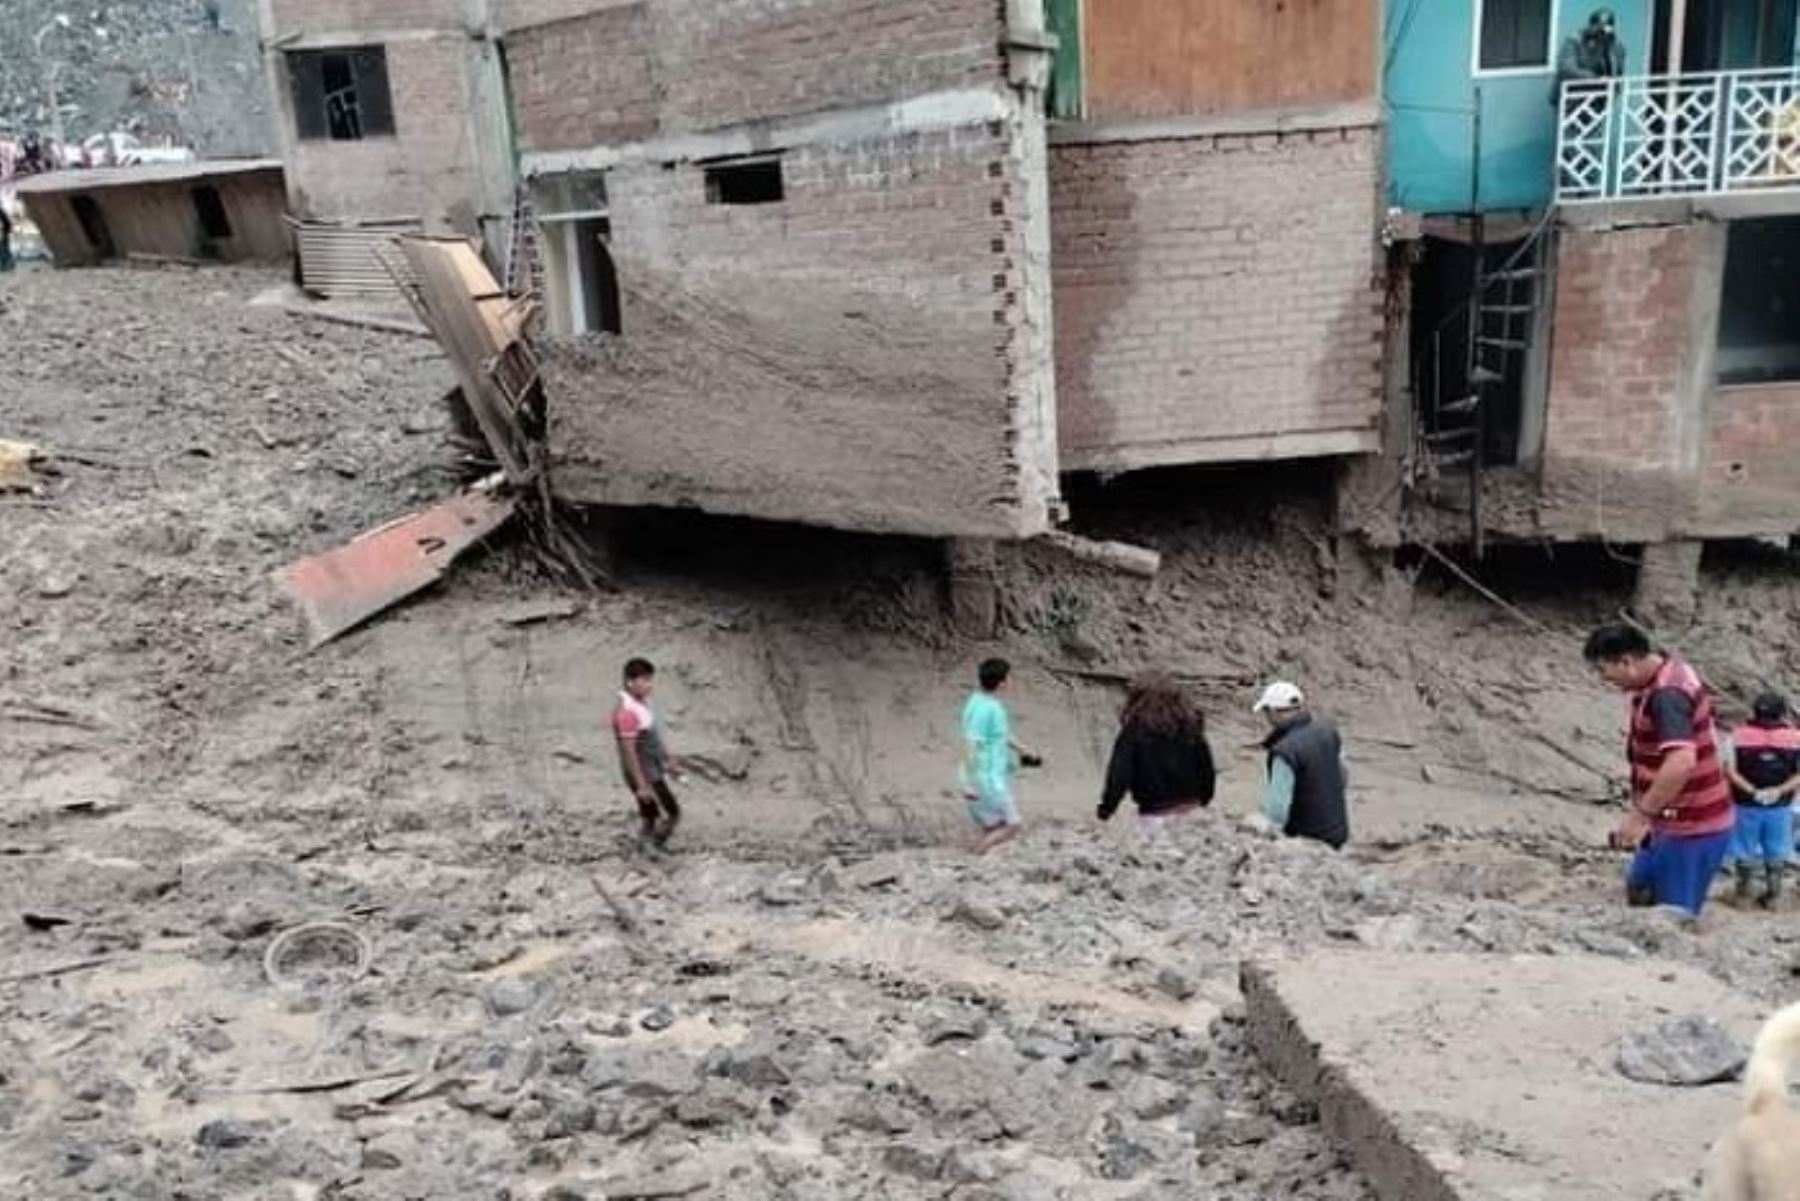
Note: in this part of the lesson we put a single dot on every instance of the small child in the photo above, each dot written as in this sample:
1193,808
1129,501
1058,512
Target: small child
643,755
1764,767
987,762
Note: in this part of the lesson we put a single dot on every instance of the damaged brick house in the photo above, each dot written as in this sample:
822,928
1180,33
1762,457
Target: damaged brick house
1599,283
893,266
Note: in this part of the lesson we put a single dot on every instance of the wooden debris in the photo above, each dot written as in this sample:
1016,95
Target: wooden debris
1116,556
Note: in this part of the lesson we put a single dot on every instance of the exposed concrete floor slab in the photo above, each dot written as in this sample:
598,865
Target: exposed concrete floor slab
1492,1078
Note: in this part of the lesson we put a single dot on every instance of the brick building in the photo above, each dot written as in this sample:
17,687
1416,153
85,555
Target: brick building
1600,298
889,265
389,112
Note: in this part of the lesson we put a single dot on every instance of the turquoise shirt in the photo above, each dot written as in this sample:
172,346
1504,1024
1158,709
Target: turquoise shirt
987,745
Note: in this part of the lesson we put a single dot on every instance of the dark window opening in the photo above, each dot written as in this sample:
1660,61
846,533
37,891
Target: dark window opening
1063,97
341,95
1515,34
210,208
1728,35
756,182
93,226
1448,371
596,299
1759,311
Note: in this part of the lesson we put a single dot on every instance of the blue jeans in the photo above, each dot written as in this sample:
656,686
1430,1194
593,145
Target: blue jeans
1764,834
1678,871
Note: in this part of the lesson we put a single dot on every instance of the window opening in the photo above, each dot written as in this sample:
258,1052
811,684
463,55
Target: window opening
1514,35
755,182
93,226
341,95
1759,310
210,208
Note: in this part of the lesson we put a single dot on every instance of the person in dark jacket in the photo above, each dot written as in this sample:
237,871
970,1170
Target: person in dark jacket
1160,757
1306,792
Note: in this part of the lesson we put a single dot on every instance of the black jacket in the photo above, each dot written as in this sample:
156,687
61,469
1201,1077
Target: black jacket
1315,753
1160,771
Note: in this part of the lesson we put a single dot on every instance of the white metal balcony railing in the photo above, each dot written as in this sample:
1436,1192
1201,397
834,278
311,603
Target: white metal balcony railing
1648,136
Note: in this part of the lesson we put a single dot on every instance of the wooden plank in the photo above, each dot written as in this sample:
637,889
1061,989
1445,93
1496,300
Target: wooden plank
1152,58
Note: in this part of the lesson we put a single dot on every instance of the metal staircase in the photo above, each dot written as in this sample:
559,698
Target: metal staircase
1490,339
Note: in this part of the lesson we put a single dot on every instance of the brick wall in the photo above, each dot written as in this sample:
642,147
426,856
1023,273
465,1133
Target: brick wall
337,16
1622,345
672,66
1216,297
1751,480
428,169
842,357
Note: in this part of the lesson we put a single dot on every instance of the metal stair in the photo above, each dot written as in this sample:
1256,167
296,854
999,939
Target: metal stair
1496,324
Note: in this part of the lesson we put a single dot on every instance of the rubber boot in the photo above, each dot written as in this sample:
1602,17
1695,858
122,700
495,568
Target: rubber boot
1772,886
1746,882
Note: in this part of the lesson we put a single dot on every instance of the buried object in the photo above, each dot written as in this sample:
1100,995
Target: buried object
340,589
317,954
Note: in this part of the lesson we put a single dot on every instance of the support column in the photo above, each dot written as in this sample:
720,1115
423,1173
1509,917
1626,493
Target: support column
974,572
1668,583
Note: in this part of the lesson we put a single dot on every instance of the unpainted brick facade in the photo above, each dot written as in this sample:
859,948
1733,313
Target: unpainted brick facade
445,162
1640,442
1217,297
868,352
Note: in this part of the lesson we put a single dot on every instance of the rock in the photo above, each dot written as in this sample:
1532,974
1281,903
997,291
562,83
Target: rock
1172,983
964,1026
569,1115
508,997
787,891
1203,1118
873,873
1151,1099
223,1134
757,1070
1688,1052
877,1113
213,1040
422,421
247,920
56,585
714,1105
1602,943
639,1118
384,1154
1038,1044
978,915
906,1159
659,1018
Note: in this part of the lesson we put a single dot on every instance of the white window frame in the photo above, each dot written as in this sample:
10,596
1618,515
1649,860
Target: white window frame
1552,47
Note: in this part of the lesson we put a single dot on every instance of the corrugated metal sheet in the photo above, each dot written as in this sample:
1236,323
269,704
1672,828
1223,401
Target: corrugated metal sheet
341,260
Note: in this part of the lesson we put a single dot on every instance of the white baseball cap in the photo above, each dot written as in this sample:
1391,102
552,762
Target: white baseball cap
1279,697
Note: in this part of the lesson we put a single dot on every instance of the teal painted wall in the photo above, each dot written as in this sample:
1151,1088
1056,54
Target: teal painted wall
1429,92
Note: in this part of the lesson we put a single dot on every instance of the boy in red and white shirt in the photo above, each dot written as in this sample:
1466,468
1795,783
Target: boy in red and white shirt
643,756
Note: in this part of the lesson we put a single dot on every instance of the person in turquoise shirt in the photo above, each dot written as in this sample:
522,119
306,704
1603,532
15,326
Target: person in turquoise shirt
989,756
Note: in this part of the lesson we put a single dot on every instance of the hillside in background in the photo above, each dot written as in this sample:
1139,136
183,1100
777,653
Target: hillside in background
188,70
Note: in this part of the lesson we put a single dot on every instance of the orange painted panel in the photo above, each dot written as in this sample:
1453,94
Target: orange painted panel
1165,58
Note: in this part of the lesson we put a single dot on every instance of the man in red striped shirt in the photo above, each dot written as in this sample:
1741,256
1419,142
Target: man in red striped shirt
1680,819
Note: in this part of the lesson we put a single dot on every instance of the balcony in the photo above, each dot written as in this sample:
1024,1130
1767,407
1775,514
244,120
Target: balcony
1644,137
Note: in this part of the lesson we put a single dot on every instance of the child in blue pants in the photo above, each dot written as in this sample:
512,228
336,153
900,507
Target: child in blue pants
1764,768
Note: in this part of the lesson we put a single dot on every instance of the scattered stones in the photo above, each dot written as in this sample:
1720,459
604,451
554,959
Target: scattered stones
787,891
658,1019
978,915
223,1134
1150,1099
961,1026
908,1159
1688,1052
1173,984
512,996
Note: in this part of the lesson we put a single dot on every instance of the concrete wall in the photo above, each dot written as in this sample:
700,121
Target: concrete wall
1217,297
159,219
870,352
447,162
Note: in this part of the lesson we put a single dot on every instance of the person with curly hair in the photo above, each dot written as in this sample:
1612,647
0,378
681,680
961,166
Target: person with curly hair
1160,757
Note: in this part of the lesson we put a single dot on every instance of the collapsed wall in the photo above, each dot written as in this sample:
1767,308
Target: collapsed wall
828,230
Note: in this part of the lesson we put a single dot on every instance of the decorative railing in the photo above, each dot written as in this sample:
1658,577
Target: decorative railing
1648,136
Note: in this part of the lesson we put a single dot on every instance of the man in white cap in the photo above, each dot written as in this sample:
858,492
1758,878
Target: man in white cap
1305,793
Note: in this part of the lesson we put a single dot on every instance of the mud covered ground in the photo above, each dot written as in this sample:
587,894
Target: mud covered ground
815,994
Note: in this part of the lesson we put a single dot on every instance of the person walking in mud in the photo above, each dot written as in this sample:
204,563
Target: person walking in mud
644,755
1306,790
989,756
1763,765
1679,818
1160,757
